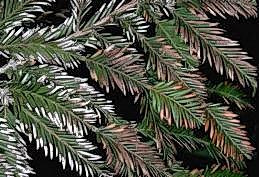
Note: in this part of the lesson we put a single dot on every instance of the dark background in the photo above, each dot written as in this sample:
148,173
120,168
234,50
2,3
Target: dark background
245,31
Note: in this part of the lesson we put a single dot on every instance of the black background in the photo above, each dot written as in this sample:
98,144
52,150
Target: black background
245,31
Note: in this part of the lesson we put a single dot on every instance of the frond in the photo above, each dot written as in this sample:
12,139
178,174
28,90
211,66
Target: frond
17,12
77,151
167,30
81,9
221,52
246,8
217,171
40,44
167,138
129,155
164,59
154,10
176,104
101,40
188,77
161,56
227,133
180,171
214,171
68,101
57,113
167,63
133,25
167,50
230,93
188,140
13,153
82,92
118,67
102,17
156,130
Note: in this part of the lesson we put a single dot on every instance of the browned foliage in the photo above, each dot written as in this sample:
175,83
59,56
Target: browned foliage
246,8
227,133
128,154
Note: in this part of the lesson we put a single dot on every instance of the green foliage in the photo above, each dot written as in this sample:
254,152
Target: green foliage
17,12
152,50
120,67
225,172
166,30
39,44
13,153
230,93
177,105
216,172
